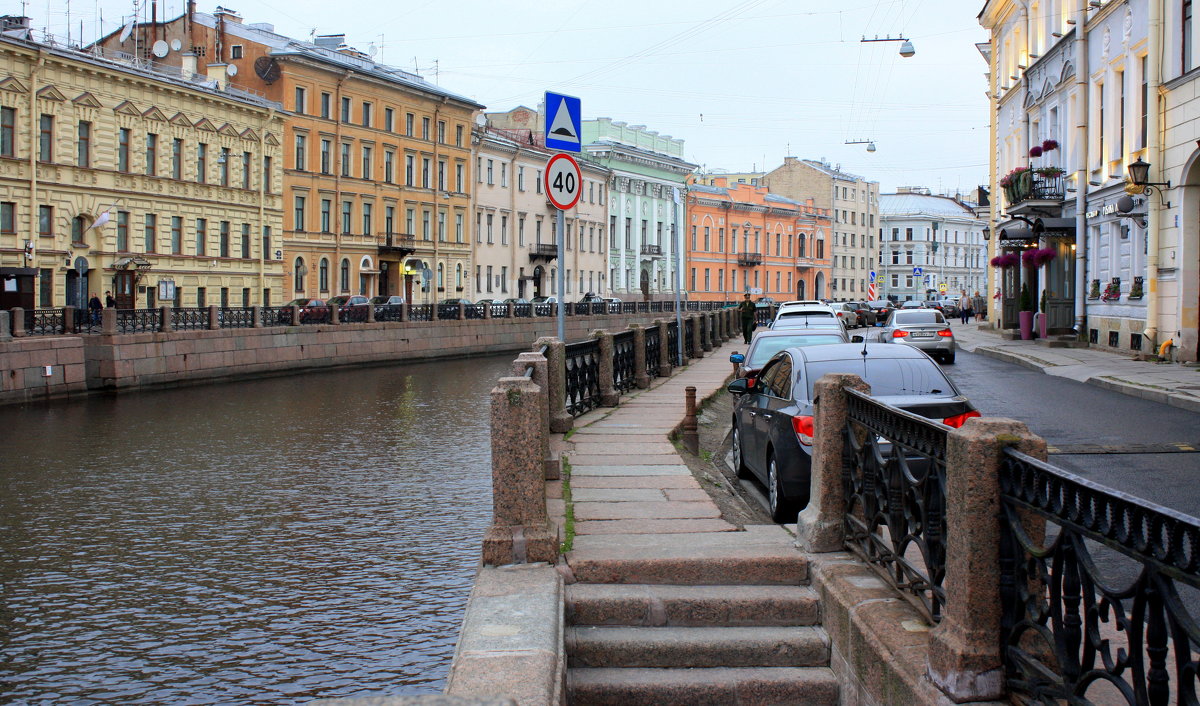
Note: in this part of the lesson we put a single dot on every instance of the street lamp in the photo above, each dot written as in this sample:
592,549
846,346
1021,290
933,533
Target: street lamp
987,233
870,144
1139,183
906,46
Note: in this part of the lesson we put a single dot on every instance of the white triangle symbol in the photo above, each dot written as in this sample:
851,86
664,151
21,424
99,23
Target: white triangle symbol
562,127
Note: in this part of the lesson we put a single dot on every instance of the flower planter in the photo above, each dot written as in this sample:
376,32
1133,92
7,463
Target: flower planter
1026,324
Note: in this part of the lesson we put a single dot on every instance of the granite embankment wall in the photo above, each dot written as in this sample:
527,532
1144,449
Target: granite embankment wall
80,365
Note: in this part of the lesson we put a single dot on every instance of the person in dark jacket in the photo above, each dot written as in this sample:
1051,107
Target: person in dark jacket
109,301
94,307
748,313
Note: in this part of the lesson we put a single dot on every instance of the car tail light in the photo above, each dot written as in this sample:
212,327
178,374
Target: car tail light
960,419
899,334
946,332
750,380
803,427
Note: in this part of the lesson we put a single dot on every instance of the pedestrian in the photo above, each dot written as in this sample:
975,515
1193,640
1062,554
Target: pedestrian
980,306
965,307
748,313
94,307
109,301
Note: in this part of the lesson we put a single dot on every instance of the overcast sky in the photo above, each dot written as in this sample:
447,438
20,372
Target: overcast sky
742,82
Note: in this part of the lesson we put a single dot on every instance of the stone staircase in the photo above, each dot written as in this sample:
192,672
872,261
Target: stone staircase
721,618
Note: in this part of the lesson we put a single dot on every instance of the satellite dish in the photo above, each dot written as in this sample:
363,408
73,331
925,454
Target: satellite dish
125,32
231,70
176,45
267,69
160,49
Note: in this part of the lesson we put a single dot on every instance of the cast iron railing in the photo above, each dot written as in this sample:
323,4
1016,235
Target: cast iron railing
276,316
189,319
138,320
673,343
87,321
894,479
764,315
237,318
689,338
522,311
356,314
653,348
423,312
624,369
475,312
389,312
447,311
1070,620
543,309
583,376
44,322
311,315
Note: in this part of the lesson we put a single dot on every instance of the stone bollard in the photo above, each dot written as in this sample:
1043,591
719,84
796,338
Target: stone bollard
256,316
295,315
164,319
511,310
641,375
462,311
690,429
609,396
370,313
214,317
704,323
964,652
334,317
18,322
540,377
697,338
433,312
487,311
821,526
6,326
561,421
69,323
520,532
404,311
108,322
664,348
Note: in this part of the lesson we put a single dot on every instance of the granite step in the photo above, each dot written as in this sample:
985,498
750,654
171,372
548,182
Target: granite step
626,646
721,686
691,606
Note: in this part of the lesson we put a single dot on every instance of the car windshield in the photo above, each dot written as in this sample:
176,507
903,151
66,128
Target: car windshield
805,312
887,376
829,321
929,316
768,346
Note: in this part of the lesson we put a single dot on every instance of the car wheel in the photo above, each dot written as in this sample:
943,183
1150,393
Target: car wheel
782,510
739,463
948,359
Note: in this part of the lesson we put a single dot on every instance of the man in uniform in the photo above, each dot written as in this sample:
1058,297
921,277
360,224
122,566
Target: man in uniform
747,311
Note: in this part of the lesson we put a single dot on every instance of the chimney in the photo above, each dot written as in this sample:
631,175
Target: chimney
216,72
790,160
189,64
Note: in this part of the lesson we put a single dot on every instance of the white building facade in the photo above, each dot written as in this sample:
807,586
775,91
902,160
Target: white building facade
929,245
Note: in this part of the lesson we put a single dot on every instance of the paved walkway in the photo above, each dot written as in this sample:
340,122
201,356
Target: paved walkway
1174,384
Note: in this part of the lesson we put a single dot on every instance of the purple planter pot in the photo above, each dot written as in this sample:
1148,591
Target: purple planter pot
1026,322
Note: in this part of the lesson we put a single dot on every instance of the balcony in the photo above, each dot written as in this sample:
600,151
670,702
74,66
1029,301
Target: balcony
750,259
806,262
652,250
1031,192
544,252
402,245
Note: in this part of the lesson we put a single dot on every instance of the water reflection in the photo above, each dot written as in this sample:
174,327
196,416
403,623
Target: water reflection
260,542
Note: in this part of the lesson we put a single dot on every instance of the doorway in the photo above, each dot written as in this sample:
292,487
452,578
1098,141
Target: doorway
646,284
124,290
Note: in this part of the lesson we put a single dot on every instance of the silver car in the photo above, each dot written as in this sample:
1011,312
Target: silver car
925,329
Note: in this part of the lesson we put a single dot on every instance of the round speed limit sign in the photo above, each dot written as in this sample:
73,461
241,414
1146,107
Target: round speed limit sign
562,181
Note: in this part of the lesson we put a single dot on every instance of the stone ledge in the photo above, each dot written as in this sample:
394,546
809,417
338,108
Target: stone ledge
879,644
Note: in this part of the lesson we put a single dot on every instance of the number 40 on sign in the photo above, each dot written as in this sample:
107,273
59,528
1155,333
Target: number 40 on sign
563,181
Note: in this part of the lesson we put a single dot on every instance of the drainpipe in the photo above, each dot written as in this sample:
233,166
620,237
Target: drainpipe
34,131
1153,151
1081,160
262,204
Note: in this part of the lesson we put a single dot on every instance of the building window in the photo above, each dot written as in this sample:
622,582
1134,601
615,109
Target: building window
8,132
344,275
223,244
298,215
366,114
223,163
246,170
458,135
301,94
123,150
326,155
266,176
345,161
441,131
347,208
46,221
425,234
424,128
326,105
266,247
389,219
323,275
366,162
1186,35
458,228
345,109
201,163
425,172
176,234
490,168
389,165
83,144
177,158
389,119
441,226
122,231
235,51
408,124
458,178
301,150
366,219
45,139
298,272
409,162
201,236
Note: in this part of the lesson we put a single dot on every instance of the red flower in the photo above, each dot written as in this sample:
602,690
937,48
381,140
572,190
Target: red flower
1035,151
1049,145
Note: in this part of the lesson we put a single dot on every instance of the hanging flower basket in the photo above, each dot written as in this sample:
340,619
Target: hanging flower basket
1049,172
1049,145
1112,291
1006,260
1035,151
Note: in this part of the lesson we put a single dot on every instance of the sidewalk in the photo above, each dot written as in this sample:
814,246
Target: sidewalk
1174,384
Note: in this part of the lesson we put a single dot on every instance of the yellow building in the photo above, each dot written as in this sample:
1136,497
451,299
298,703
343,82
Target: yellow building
129,180
377,172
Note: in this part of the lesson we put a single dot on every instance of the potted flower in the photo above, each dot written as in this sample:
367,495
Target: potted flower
1112,292
1136,291
1025,314
1094,290
1049,172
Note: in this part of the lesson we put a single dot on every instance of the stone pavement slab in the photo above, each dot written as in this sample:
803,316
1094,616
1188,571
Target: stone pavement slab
675,481
617,495
661,510
652,526
616,470
623,448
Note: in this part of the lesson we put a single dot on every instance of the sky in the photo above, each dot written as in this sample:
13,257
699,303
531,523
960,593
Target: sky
743,82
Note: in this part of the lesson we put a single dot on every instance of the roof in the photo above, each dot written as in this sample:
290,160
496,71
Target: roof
922,204
727,192
851,351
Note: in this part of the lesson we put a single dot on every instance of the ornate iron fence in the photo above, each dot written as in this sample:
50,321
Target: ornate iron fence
237,318
312,315
45,322
689,338
276,316
653,346
583,376
138,320
523,311
422,312
764,315
624,370
86,321
392,312
894,477
543,310
656,306
190,319
475,312
1069,621
500,311
447,311
673,342
352,314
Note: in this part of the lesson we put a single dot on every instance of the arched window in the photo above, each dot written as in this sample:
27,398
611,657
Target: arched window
344,275
298,273
79,226
441,275
458,275
323,275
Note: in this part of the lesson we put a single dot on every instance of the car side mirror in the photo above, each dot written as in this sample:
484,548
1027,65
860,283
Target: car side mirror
739,387
737,358
856,339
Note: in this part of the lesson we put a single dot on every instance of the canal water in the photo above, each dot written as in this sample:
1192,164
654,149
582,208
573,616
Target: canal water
264,542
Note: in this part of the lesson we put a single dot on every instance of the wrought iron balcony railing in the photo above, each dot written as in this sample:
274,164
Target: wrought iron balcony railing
750,259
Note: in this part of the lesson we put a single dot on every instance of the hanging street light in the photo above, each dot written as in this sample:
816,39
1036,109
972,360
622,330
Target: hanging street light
906,46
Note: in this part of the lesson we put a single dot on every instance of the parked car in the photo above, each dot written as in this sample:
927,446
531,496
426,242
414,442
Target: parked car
311,310
486,301
393,300
514,300
805,321
799,307
866,315
912,304
456,300
847,313
926,329
881,307
767,342
763,302
544,300
949,306
351,307
773,414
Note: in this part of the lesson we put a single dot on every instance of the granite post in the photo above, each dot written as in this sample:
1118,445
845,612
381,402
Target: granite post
108,322
214,317
964,652
404,311
520,532
561,421
256,316
704,323
18,322
165,323
540,373
820,527
641,375
69,323
295,315
690,434
370,313
609,396
487,311
697,336
6,326
334,317
664,348
462,311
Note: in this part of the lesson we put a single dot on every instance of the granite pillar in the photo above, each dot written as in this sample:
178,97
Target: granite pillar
370,313
295,315
964,649
256,316
664,348
536,363
697,336
165,320
214,317
641,376
404,311
820,527
108,322
18,322
561,421
69,324
704,323
334,317
6,326
462,311
609,396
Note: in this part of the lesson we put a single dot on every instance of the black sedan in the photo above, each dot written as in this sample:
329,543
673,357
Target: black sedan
773,415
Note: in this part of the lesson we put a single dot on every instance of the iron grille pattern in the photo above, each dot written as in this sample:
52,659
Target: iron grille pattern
623,362
422,312
352,314
447,311
653,346
543,309
87,321
500,311
523,311
315,315
475,312
764,315
271,316
190,319
237,318
583,376
673,342
1068,623
894,479
138,320
389,313
689,338
44,322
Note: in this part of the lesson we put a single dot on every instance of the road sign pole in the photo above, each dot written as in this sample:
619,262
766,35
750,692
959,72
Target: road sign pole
561,241
675,237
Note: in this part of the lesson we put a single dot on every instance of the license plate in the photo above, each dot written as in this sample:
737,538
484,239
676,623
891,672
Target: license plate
922,334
